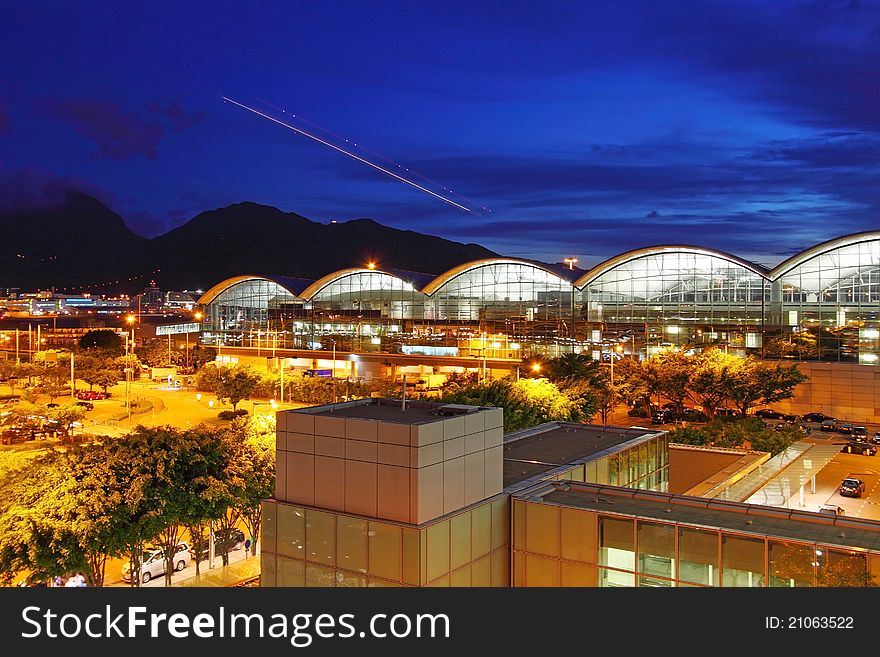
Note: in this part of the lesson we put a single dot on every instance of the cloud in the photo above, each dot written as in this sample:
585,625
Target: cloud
32,189
121,133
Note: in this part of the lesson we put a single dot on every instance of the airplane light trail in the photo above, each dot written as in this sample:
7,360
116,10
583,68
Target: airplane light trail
352,155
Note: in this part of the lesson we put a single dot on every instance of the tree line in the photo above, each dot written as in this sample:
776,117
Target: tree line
72,510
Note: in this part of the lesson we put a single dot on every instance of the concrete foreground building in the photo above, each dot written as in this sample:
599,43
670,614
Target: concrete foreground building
375,493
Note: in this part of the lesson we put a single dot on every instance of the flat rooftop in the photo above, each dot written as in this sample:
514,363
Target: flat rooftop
390,410
715,514
532,452
694,470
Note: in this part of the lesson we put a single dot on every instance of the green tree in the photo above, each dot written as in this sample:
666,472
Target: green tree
235,386
189,485
252,469
672,370
715,377
103,378
200,356
688,436
571,366
65,415
526,403
102,340
54,380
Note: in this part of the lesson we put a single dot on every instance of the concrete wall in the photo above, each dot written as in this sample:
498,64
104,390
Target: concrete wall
845,391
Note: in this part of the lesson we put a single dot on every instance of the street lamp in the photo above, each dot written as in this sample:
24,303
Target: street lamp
618,349
570,262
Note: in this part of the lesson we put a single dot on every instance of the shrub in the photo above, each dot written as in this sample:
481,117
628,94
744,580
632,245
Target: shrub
231,415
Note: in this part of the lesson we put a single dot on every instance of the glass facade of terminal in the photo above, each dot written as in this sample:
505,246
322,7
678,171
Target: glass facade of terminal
823,304
561,546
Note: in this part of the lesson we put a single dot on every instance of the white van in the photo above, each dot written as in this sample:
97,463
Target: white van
153,562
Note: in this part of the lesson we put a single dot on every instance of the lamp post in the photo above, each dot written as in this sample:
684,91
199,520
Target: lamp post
617,350
570,262
129,375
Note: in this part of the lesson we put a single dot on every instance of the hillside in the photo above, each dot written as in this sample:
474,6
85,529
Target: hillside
82,242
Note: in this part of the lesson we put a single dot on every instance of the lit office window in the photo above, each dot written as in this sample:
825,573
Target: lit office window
698,556
742,561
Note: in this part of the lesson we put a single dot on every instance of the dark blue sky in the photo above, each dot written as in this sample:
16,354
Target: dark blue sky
587,127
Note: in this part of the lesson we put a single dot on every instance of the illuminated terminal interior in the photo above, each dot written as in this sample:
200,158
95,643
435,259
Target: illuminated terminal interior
821,304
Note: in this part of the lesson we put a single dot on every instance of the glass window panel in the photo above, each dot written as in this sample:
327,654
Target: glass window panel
350,580
541,571
376,583
267,570
290,572
622,468
351,543
590,476
519,525
319,575
698,556
384,550
615,578
268,526
742,561
542,529
500,567
481,572
838,568
656,549
643,459
320,537
578,535
791,564
481,530
501,523
411,570
652,455
616,543
633,453
603,474
438,550
291,531
461,577
655,582
519,569
460,540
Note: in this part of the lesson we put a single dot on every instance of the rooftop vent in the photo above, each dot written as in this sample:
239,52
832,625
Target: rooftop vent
454,409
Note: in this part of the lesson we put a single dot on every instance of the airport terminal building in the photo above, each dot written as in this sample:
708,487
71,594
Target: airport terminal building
822,304
377,493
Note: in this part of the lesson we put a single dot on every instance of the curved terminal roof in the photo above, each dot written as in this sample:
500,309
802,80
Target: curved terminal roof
447,276
648,251
428,284
411,278
799,258
293,285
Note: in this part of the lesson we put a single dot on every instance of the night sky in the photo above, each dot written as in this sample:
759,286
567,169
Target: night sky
588,128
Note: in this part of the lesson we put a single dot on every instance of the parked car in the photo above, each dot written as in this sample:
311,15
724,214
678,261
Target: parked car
829,424
91,395
233,538
816,417
52,405
845,427
661,417
728,412
89,406
859,433
852,487
856,447
153,562
876,438
791,419
768,414
694,415
832,510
